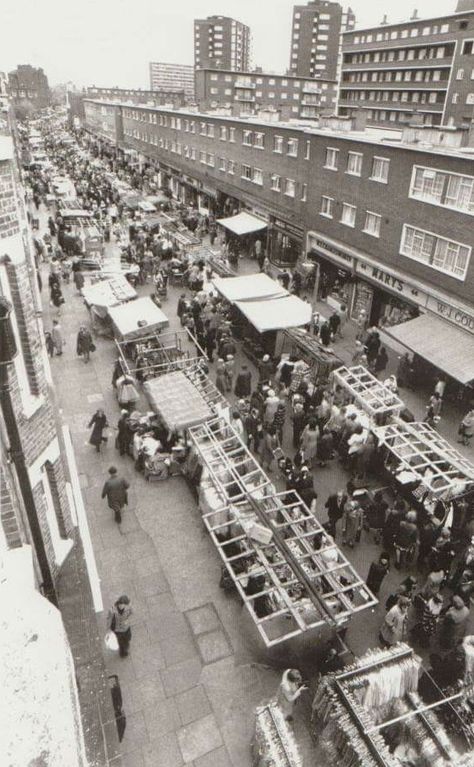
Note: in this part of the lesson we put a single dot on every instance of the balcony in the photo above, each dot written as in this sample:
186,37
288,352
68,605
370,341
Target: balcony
311,88
247,97
244,84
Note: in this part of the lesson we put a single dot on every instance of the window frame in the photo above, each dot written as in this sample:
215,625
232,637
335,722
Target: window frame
366,230
344,207
437,238
330,213
336,155
359,158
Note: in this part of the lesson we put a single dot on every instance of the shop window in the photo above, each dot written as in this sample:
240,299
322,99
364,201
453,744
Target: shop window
441,254
348,214
332,156
372,224
327,205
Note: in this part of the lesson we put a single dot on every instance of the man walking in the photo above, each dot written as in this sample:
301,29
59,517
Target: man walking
115,490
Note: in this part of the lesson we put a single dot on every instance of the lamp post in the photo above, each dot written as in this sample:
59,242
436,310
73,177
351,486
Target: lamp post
8,352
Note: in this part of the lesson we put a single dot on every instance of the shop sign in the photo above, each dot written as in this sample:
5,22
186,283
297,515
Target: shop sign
451,313
315,243
390,281
288,228
209,192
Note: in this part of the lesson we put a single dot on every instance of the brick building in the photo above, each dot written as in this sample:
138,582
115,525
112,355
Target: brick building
316,38
168,77
26,83
173,95
221,43
422,65
250,91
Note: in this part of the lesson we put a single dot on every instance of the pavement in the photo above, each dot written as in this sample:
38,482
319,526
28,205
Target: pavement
197,668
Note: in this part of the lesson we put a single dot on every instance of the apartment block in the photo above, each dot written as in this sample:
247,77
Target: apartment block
316,38
172,77
250,91
174,96
26,83
422,66
221,43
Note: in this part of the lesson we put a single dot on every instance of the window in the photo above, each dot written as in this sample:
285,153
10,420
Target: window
290,187
278,144
331,158
292,147
275,182
203,129
380,166
231,167
202,157
348,214
222,164
354,163
257,176
247,172
450,190
327,204
455,98
223,133
460,74
444,255
247,138
470,98
231,135
304,192
214,91
308,150
259,140
372,224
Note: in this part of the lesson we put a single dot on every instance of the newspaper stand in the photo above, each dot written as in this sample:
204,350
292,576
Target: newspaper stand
261,533
368,393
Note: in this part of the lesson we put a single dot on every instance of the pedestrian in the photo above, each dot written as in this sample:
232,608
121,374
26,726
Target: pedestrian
56,296
115,490
84,344
406,540
404,371
299,422
309,442
265,369
335,505
453,626
49,343
352,523
243,382
127,394
290,689
271,406
466,428
376,514
394,626
279,420
182,305
118,621
381,361
436,403
209,340
78,278
99,422
334,323
229,372
254,429
124,433
325,334
237,424
57,337
269,444
377,572
304,486
358,353
361,324
430,618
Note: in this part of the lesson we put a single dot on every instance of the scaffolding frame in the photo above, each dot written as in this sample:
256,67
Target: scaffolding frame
369,393
292,566
418,448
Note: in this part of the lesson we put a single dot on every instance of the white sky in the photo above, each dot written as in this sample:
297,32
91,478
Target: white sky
110,42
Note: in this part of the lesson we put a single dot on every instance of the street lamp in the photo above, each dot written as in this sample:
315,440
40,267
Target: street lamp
8,352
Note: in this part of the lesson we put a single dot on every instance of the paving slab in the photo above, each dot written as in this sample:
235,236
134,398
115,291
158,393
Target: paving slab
203,618
163,752
213,646
192,704
199,738
181,676
161,718
217,758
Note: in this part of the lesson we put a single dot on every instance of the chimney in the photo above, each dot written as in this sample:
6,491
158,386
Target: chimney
384,20
414,15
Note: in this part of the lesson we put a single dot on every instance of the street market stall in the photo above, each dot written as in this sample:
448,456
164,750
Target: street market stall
368,393
103,295
261,321
136,319
274,740
175,398
299,343
249,287
157,354
289,574
372,715
416,456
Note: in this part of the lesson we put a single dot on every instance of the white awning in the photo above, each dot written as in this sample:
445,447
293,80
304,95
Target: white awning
441,343
107,293
250,287
138,318
276,313
242,223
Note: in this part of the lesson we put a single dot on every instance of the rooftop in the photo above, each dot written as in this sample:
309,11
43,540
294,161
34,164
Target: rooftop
387,26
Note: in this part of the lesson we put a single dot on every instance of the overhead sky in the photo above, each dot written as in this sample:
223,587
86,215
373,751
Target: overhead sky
110,42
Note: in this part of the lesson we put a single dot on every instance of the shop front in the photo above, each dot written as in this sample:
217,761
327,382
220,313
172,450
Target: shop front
284,243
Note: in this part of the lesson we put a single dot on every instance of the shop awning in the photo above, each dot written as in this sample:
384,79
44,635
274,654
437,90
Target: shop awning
177,400
250,287
444,345
242,223
137,318
276,313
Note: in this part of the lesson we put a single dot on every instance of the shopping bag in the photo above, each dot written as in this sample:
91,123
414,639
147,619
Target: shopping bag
111,641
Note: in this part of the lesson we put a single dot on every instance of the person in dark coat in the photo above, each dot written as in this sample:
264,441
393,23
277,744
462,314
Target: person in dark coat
118,621
334,322
124,433
56,296
84,343
372,346
265,368
335,508
115,490
325,334
243,382
181,308
210,340
99,422
381,361
117,371
254,429
377,572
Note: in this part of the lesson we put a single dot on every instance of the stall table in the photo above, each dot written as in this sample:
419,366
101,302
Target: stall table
178,401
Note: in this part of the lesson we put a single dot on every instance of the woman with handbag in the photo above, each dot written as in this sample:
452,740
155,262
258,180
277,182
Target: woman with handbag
99,422
84,344
118,621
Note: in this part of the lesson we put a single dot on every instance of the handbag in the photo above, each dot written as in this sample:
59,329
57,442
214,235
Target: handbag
113,622
111,641
92,347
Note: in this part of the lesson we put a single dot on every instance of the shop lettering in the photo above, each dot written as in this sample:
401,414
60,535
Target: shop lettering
330,249
387,279
455,315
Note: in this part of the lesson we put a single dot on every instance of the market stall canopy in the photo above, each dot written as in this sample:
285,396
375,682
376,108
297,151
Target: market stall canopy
424,455
447,347
117,290
146,206
242,223
177,400
276,313
137,318
370,393
250,287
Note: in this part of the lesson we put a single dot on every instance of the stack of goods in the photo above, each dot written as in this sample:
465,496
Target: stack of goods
274,743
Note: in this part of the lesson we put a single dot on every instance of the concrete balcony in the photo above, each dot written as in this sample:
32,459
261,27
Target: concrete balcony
244,84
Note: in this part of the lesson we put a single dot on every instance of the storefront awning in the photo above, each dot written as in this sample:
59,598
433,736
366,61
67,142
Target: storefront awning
250,287
137,318
444,345
242,223
276,313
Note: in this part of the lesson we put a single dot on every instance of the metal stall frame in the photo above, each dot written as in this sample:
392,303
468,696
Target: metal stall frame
166,344
286,556
368,392
419,448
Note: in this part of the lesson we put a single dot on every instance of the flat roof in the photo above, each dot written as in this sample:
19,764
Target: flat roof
380,27
372,135
266,74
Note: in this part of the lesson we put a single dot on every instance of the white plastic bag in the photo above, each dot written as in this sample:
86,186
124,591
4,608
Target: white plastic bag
111,641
